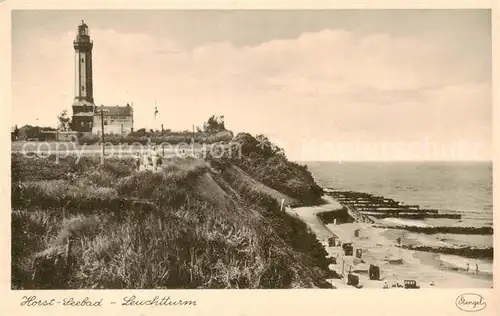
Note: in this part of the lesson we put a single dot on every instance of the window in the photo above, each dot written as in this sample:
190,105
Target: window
83,88
82,124
83,60
112,121
105,122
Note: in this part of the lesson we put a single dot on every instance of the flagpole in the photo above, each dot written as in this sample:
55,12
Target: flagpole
132,106
155,113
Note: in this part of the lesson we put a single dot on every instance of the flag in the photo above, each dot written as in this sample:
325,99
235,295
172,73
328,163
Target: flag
156,110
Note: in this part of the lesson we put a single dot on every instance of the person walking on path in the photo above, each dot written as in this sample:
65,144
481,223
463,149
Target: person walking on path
467,269
477,268
154,157
137,161
145,158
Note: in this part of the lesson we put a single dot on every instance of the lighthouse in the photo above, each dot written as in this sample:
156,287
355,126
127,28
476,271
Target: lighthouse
83,64
87,118
83,105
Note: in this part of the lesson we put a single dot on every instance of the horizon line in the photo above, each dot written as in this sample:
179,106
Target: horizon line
422,160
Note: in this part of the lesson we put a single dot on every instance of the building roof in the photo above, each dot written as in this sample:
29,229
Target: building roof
116,110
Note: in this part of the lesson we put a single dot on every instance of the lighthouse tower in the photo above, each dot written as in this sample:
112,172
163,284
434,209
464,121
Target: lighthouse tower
83,105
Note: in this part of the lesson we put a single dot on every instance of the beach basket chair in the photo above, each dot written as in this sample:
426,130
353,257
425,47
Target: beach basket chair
411,284
374,272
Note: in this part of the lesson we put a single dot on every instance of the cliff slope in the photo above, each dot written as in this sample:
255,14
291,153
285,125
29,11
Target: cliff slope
197,224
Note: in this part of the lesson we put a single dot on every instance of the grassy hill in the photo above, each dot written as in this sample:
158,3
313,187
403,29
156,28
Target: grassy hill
267,163
197,224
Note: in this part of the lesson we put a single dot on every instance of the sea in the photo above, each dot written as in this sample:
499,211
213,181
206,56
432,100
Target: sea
463,187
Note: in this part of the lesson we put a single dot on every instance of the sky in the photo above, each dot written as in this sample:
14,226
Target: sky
324,85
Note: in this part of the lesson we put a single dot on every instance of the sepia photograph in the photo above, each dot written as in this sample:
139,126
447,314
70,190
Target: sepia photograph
251,149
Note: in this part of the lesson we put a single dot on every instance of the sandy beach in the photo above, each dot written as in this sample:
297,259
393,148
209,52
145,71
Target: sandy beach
380,247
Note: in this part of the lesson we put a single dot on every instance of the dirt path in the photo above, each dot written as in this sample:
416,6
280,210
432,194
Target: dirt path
308,215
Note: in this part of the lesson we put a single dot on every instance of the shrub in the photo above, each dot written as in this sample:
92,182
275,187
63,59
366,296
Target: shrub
65,168
170,187
114,139
268,164
58,194
88,139
75,227
130,139
119,167
30,234
32,169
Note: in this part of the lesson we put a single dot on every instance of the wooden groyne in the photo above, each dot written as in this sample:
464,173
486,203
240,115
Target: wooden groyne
412,215
358,216
464,230
464,251
364,207
395,210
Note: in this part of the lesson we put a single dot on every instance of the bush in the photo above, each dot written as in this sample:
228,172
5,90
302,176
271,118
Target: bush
23,169
58,194
30,234
114,139
88,139
170,187
130,139
268,164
